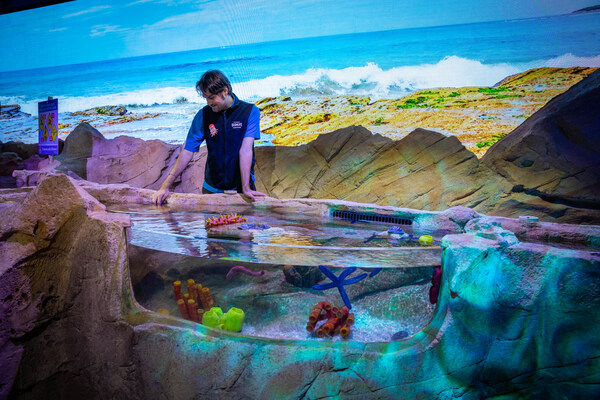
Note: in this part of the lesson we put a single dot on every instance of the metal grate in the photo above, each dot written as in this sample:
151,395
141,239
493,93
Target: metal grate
364,217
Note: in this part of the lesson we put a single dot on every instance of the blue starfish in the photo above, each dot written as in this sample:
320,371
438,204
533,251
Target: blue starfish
375,272
339,282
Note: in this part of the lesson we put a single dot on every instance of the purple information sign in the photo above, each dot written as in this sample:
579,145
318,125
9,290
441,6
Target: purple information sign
48,124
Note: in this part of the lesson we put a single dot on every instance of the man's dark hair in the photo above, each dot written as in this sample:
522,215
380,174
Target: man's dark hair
213,82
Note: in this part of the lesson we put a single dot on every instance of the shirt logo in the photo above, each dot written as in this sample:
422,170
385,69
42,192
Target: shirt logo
213,130
236,125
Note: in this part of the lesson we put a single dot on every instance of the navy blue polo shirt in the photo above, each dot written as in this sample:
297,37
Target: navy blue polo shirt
223,133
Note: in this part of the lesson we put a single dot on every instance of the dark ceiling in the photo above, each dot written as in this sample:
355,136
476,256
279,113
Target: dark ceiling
10,6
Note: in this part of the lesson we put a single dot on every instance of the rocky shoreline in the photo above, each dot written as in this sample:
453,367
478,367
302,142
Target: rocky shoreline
477,116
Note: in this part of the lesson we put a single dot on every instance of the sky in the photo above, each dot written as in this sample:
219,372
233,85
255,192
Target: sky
92,30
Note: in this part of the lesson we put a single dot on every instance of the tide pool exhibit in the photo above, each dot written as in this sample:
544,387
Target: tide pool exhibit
431,221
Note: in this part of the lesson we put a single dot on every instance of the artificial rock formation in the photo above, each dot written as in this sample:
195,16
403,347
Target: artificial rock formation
124,159
523,301
9,161
12,155
60,296
513,319
555,154
131,161
426,170
78,148
23,150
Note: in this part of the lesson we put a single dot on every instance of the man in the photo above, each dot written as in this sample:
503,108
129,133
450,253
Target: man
229,127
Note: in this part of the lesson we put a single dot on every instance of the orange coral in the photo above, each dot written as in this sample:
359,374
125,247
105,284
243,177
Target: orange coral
192,307
177,290
206,299
319,312
183,309
193,303
191,287
339,320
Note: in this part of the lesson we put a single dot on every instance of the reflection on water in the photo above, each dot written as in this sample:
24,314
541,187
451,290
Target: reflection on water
283,239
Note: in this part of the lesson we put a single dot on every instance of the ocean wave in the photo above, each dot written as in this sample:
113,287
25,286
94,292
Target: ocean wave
145,97
369,80
570,60
376,82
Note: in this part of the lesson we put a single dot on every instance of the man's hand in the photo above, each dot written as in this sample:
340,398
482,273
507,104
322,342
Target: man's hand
183,160
159,197
252,194
246,152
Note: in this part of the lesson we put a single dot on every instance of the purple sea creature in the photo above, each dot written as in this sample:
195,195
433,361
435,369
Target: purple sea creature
436,282
400,335
375,272
248,226
405,238
339,282
373,236
241,269
395,230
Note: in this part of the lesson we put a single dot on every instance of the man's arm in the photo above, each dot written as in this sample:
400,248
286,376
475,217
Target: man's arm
182,161
245,164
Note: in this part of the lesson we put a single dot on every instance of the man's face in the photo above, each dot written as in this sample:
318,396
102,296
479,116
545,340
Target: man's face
216,101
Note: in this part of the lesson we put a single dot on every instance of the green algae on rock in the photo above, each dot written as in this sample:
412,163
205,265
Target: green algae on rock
472,114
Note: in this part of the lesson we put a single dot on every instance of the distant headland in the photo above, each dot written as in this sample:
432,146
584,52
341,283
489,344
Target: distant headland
587,9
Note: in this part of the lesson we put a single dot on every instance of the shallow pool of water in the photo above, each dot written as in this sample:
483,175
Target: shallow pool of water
390,305
284,238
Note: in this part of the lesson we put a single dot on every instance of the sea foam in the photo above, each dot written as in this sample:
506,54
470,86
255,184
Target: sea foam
570,60
145,97
371,80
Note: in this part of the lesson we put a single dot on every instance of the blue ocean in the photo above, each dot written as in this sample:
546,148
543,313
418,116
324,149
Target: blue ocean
387,64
